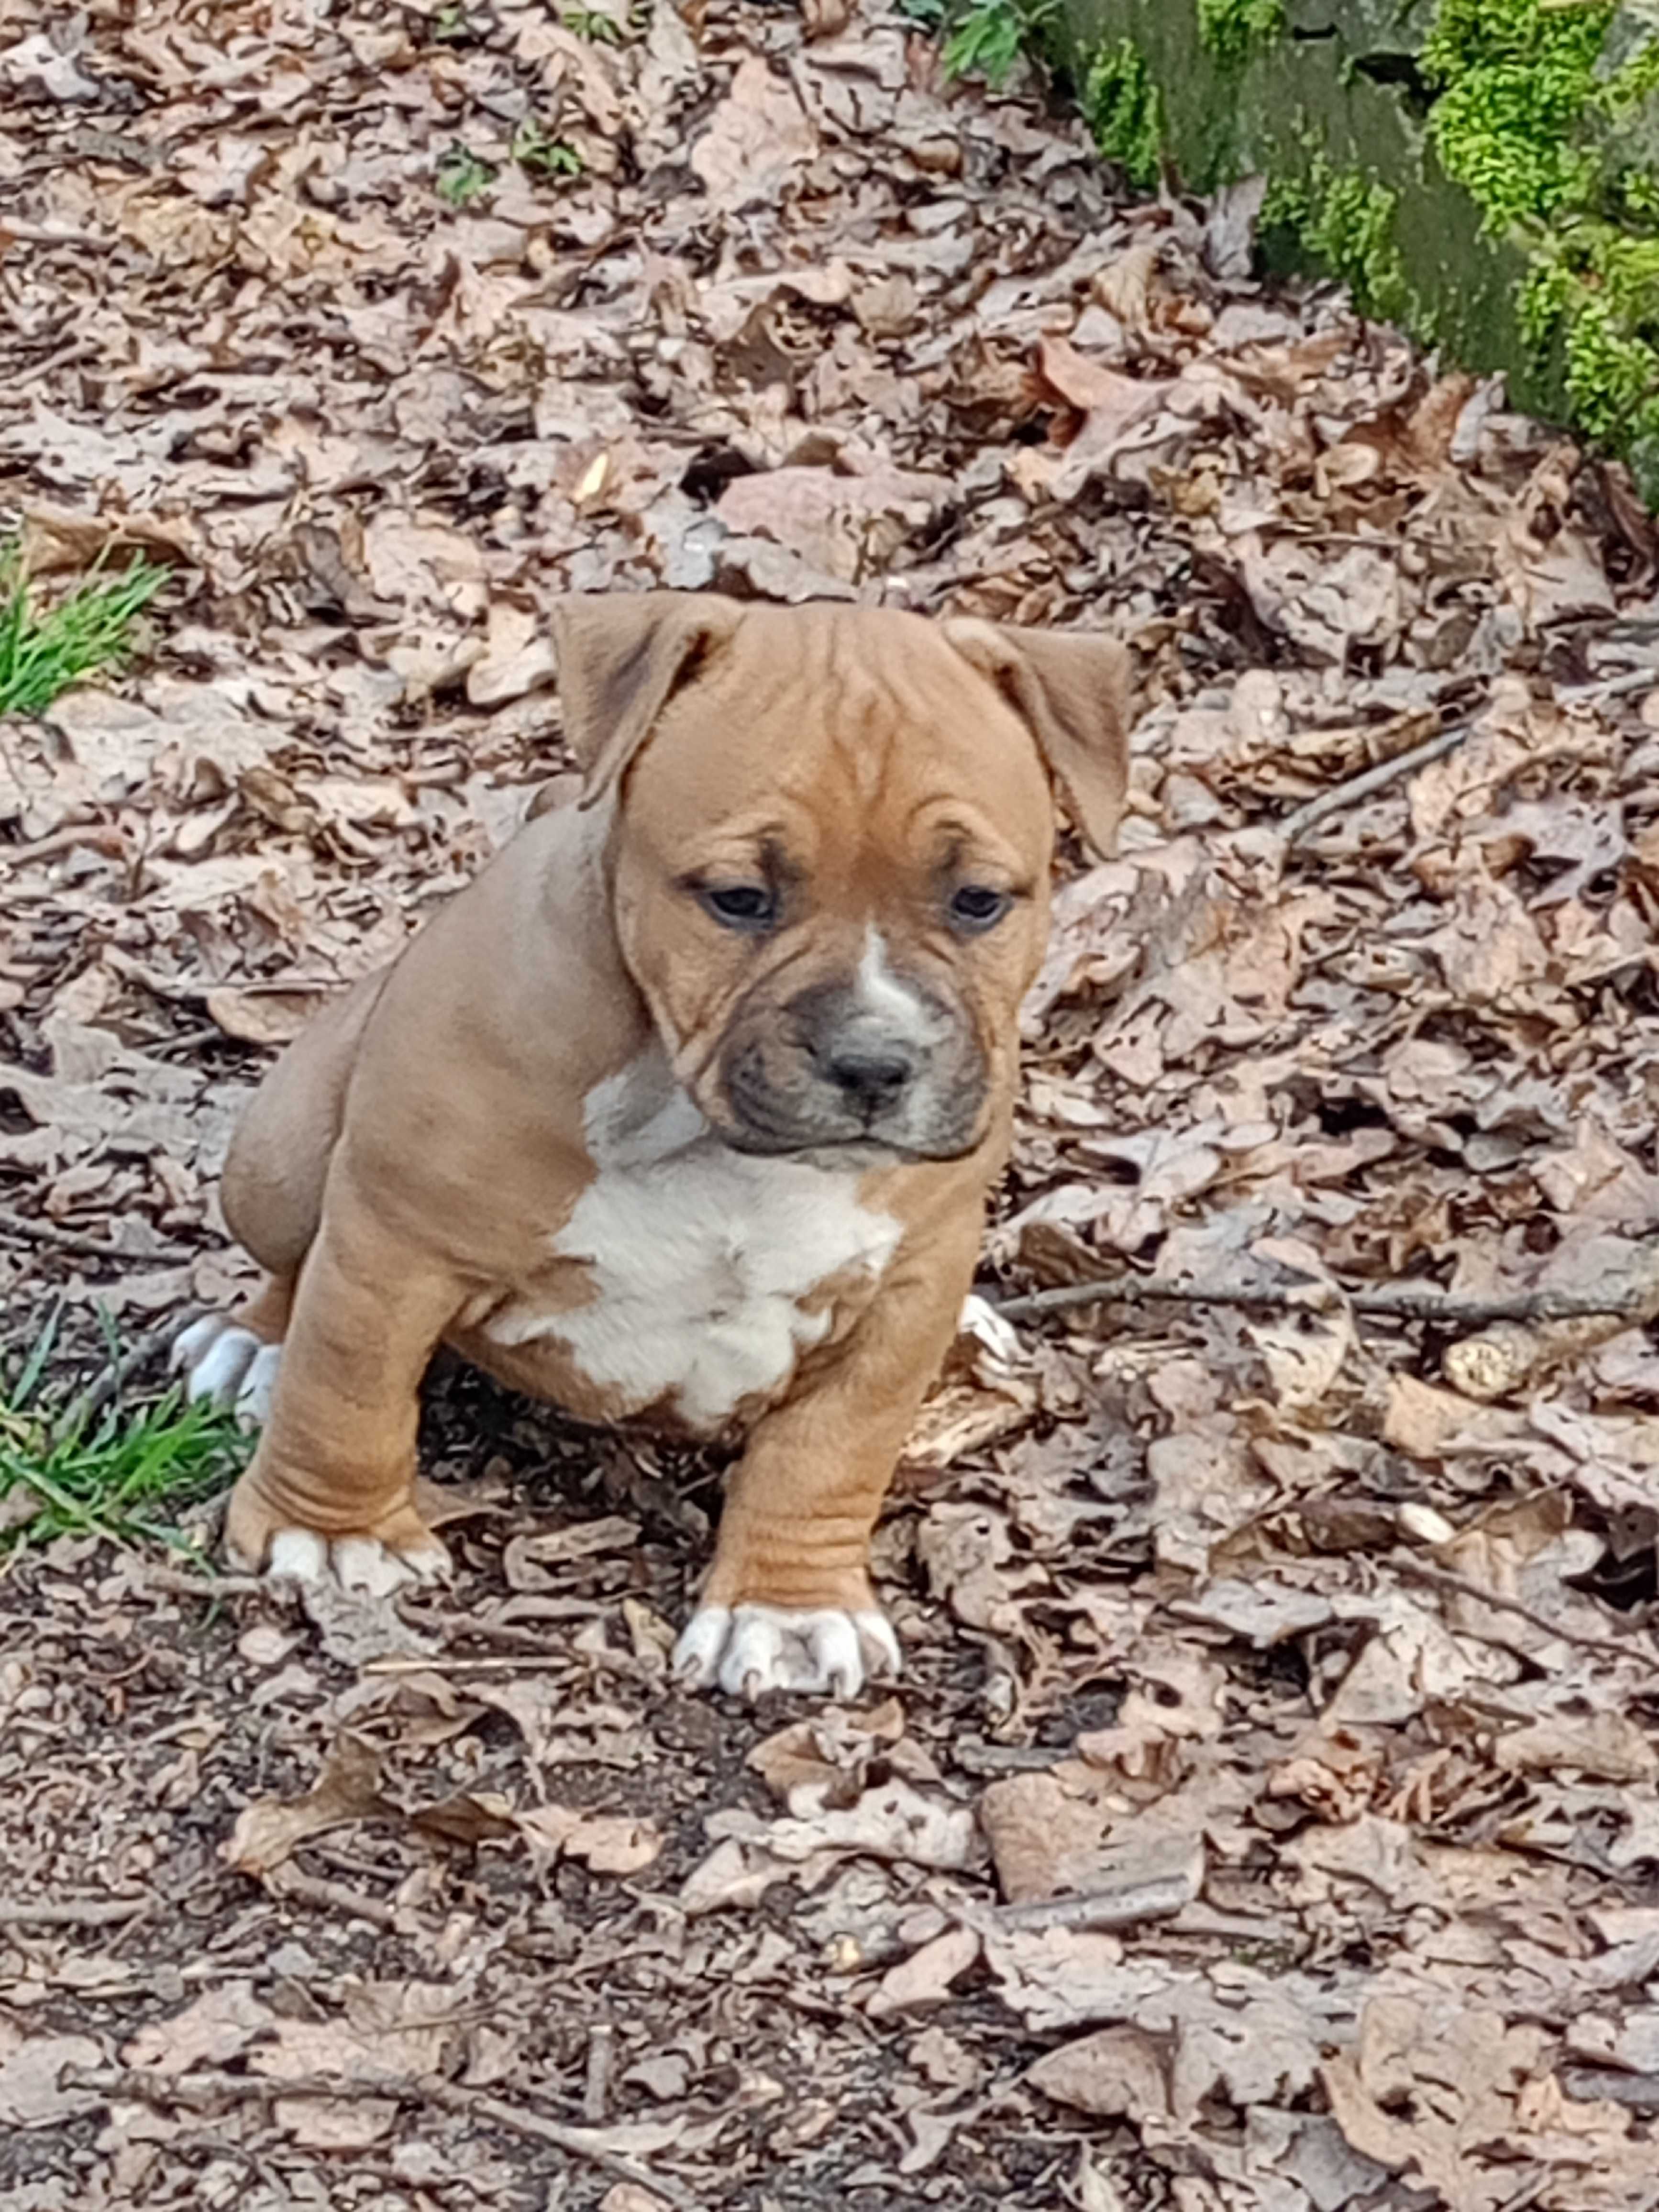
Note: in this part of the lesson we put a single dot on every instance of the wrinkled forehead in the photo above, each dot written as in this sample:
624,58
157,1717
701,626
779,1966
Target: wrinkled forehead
869,728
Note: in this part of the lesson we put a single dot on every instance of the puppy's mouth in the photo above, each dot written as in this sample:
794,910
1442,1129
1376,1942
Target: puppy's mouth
863,1150
748,1120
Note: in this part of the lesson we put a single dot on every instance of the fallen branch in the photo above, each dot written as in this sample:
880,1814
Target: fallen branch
1295,827
71,1912
1397,1300
204,2091
25,1229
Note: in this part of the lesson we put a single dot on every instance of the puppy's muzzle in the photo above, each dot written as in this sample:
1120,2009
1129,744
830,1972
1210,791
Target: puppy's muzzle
826,1068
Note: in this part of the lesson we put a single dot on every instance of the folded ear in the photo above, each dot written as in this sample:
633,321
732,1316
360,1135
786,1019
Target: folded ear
621,656
1072,689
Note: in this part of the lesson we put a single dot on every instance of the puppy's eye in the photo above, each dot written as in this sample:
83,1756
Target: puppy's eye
741,906
977,908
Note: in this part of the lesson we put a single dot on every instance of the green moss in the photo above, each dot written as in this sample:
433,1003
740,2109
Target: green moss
1594,292
1121,107
1345,222
1233,30
1514,78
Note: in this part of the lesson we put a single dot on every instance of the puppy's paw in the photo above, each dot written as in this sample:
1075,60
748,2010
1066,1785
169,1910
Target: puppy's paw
228,1366
356,1562
264,1533
751,1649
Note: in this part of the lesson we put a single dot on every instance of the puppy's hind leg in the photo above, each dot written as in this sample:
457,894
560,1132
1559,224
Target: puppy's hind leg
271,1191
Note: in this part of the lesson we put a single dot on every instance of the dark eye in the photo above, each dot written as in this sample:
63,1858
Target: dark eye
976,907
741,906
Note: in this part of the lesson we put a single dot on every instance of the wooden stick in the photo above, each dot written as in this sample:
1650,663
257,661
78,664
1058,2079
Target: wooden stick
1398,1301
1127,1906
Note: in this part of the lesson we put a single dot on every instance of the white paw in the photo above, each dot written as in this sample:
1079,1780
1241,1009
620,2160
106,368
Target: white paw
228,1366
751,1649
356,1562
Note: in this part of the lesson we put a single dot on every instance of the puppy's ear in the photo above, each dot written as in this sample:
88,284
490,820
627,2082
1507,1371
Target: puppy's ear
621,656
1072,689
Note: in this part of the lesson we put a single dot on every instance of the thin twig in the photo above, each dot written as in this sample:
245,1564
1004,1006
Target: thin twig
289,1883
70,1912
180,1582
1440,1578
203,2092
1399,1301
1295,827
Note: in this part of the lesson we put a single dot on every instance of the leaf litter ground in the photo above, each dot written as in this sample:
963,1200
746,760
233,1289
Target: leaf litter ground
1270,1814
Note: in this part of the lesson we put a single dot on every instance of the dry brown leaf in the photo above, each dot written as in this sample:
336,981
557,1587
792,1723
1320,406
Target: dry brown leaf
348,1789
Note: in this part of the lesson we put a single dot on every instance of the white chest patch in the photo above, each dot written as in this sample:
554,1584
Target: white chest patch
700,1255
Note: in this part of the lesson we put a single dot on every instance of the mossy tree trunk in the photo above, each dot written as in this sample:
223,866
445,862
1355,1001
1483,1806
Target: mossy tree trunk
1484,172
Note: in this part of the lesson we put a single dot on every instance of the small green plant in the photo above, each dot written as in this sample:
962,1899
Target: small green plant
593,24
462,177
126,1473
929,14
542,156
452,26
45,649
987,37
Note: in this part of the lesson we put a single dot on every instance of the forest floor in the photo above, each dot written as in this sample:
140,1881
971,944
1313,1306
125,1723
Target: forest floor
1307,1646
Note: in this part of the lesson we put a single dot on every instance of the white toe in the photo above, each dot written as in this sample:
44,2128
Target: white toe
299,1554
697,1654
217,1375
254,1394
880,1646
753,1661
362,1564
191,1343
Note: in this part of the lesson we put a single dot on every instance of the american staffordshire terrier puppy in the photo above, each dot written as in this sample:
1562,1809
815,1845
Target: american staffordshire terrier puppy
686,1110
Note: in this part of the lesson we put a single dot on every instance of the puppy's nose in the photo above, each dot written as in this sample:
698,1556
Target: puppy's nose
872,1077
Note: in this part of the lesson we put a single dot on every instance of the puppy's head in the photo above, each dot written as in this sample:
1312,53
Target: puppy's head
831,848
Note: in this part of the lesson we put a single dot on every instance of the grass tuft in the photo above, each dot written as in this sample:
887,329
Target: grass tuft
45,649
126,1472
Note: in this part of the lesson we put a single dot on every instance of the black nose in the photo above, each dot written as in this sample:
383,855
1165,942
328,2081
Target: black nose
871,1078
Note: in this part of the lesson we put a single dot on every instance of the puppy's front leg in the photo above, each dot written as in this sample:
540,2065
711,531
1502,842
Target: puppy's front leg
787,1604
332,1482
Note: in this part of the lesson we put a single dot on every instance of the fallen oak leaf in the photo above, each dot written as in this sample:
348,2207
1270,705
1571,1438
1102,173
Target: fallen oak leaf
271,1828
605,1843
